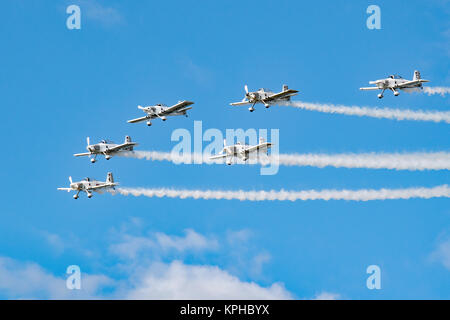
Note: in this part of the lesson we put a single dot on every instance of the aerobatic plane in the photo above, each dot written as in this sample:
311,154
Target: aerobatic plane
241,151
395,83
265,97
106,148
162,111
89,185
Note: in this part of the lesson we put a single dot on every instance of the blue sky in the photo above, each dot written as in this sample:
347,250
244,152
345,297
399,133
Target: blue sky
59,86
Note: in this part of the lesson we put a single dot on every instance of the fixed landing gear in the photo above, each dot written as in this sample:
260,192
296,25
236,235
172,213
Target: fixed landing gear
93,160
75,197
380,96
149,123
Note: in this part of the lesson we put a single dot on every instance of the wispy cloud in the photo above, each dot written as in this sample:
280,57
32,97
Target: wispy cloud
442,253
98,11
196,72
180,281
327,296
130,246
28,280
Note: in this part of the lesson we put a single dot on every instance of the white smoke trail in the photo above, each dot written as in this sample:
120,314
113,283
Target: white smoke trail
282,195
436,90
382,113
393,161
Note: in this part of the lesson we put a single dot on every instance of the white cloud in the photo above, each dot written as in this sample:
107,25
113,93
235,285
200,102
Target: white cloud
180,281
175,280
238,237
131,246
27,280
144,278
192,241
157,243
327,296
258,262
442,253
54,241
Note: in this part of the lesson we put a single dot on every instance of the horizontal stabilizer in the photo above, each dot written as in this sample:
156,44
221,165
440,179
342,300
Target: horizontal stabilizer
369,88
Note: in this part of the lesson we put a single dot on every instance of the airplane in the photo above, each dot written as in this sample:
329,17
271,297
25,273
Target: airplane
242,151
88,185
395,82
162,111
106,148
265,97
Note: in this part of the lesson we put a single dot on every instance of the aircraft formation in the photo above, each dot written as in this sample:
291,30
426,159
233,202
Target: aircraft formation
239,150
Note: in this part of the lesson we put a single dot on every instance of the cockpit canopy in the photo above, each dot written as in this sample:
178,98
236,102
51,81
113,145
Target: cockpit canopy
395,76
104,141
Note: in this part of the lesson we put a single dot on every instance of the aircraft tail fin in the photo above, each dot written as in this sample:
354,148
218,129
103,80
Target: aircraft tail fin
416,75
109,178
261,140
127,139
286,88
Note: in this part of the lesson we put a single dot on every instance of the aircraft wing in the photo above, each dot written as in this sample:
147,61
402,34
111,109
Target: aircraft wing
138,119
220,156
411,83
121,146
176,107
242,103
280,95
102,186
82,154
369,88
259,147
65,189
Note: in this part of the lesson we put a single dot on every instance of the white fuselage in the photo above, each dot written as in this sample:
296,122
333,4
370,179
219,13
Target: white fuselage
392,83
156,110
104,148
237,150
